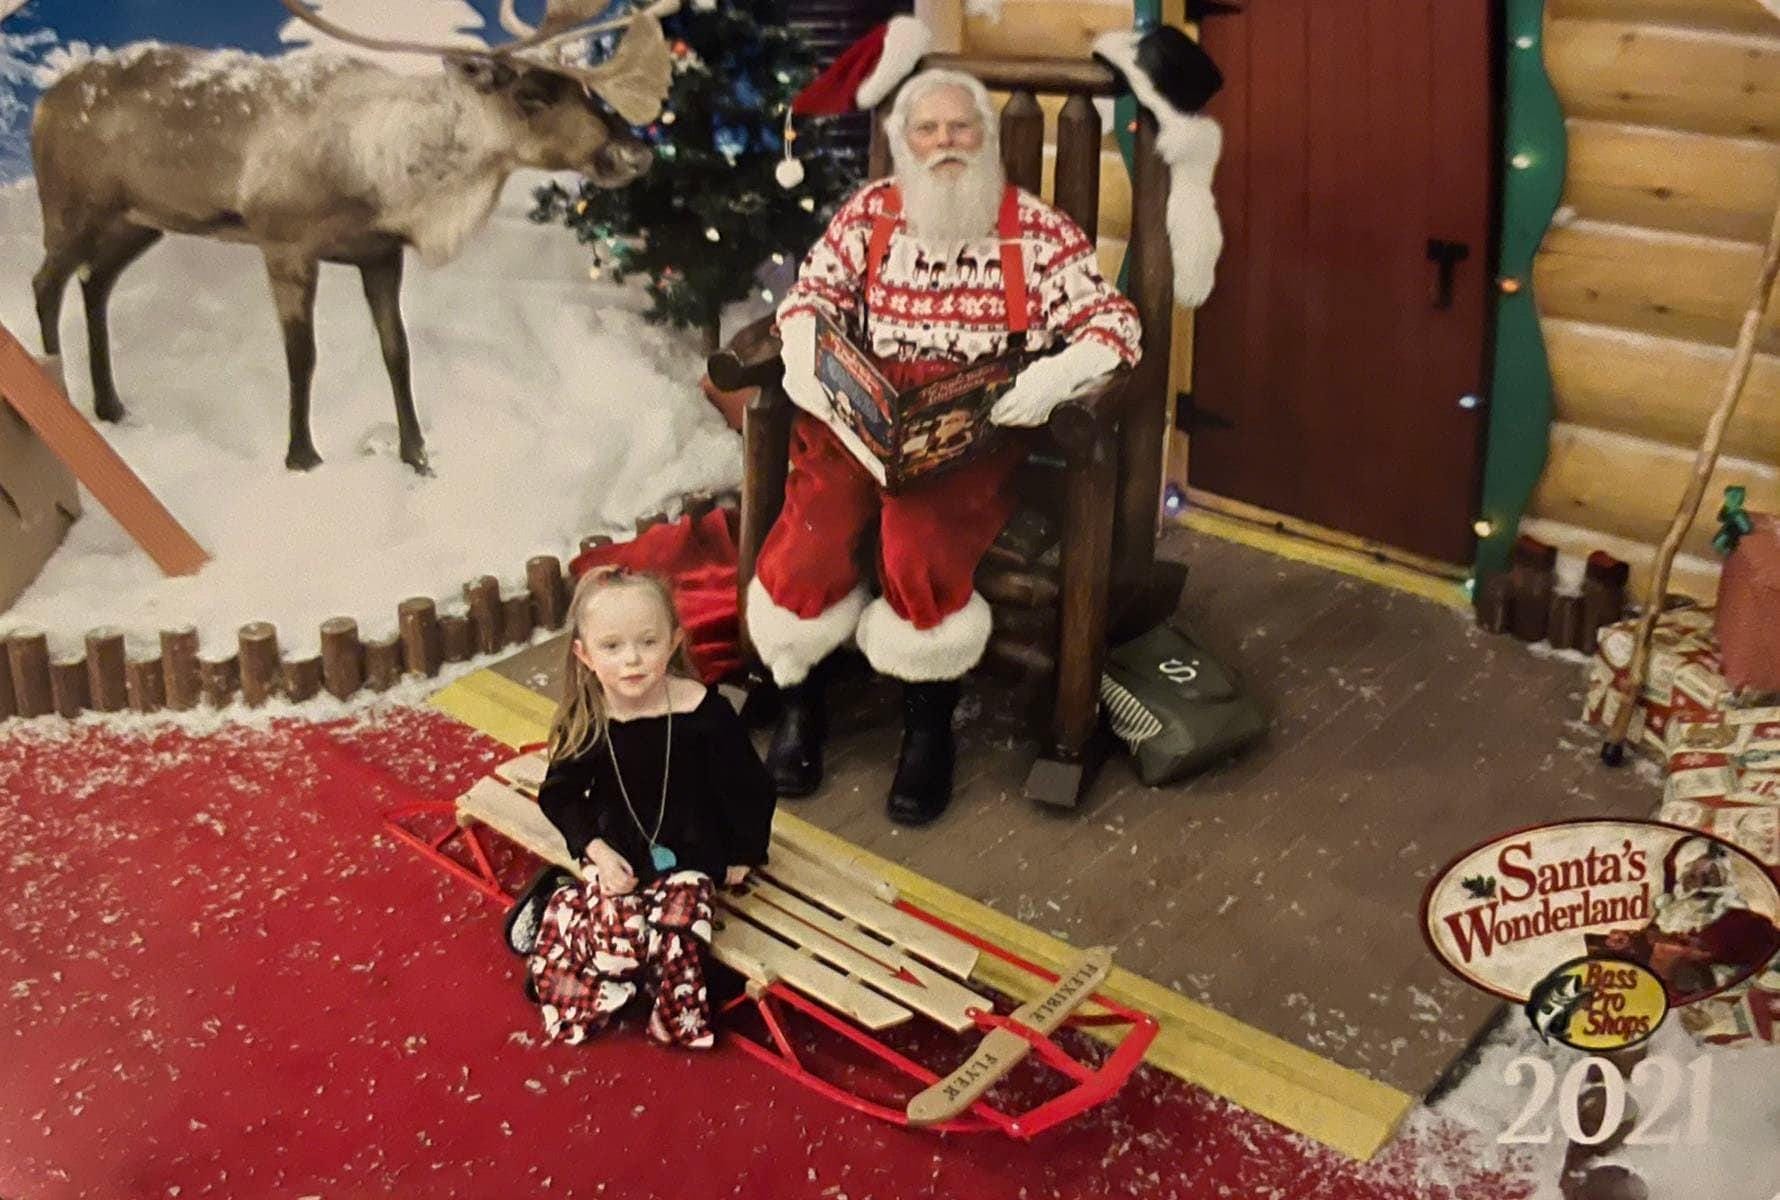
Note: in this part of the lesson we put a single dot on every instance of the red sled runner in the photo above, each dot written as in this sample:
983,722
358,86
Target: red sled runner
836,945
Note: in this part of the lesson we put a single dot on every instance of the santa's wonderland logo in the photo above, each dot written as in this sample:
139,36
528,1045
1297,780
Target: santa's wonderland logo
1599,927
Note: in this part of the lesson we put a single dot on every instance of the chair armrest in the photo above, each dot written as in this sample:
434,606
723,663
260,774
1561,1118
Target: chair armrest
1076,422
750,360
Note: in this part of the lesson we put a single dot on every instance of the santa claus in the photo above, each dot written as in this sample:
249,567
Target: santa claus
1704,935
901,269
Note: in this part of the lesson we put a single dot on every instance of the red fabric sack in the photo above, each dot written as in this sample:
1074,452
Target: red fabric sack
698,557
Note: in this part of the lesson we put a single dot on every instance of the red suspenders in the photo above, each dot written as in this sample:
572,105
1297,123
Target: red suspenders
1013,262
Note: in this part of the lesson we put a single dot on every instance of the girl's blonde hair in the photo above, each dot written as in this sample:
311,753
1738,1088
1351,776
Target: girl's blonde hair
580,720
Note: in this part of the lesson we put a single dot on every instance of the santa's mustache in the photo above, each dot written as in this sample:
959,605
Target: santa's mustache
951,156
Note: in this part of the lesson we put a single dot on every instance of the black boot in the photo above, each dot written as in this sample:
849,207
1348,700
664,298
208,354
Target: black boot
794,760
527,913
923,784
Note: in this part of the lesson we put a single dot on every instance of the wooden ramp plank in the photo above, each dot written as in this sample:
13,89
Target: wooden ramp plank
911,933
39,399
997,1054
764,959
883,968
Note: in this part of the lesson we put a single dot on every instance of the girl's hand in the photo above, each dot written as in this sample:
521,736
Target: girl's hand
611,874
735,876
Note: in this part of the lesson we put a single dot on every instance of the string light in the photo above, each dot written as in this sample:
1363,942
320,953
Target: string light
1524,41
808,204
580,207
667,118
1509,285
766,294
711,234
778,259
1522,161
1483,527
593,272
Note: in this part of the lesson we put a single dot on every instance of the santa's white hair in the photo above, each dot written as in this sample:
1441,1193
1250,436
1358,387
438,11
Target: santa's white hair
944,209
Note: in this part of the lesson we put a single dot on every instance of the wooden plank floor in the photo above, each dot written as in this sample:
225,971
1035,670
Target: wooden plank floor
1282,888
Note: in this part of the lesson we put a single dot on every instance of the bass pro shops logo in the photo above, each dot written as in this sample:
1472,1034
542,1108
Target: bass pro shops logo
1598,928
1598,1004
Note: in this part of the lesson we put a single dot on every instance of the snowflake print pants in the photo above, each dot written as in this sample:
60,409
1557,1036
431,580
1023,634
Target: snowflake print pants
594,952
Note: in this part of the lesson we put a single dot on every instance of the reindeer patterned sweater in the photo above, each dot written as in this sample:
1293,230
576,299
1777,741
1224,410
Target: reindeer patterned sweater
946,302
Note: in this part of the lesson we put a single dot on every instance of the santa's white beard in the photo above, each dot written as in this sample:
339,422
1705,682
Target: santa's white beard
1694,913
951,205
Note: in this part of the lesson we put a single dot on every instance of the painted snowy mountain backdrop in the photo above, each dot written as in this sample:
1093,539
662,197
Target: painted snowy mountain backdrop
43,36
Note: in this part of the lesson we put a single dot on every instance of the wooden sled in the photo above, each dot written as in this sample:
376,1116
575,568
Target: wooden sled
838,946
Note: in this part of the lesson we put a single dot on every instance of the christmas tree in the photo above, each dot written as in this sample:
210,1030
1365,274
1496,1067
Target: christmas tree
710,211
444,22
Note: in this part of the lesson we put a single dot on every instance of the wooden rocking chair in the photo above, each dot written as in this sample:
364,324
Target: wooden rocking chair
1050,622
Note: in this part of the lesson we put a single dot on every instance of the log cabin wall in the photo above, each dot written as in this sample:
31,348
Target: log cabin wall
1673,118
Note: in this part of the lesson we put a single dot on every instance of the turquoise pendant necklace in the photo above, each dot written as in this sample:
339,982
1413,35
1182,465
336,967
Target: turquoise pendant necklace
663,858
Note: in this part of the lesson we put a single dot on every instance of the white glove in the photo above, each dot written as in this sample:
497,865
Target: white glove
1048,382
797,350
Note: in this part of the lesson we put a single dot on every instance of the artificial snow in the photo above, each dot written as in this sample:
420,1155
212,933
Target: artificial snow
551,411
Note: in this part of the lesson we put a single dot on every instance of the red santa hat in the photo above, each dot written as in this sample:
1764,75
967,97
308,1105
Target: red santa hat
1172,78
1682,855
866,72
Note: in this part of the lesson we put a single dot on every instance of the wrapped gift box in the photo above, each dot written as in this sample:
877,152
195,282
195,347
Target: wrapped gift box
1683,681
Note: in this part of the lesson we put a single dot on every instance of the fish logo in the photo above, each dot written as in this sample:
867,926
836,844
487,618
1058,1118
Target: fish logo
1555,1003
1597,1004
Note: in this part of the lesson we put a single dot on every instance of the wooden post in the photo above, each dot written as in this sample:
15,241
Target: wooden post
9,706
302,678
28,659
423,647
146,685
1530,581
1076,187
550,596
68,686
1023,140
516,619
648,521
594,541
1613,751
484,596
1493,603
218,678
107,687
1603,595
383,662
1564,630
179,668
258,643
342,657
459,638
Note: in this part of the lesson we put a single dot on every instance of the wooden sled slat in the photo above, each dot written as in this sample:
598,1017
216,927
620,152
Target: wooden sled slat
763,958
799,874
518,818
881,967
1002,1048
526,773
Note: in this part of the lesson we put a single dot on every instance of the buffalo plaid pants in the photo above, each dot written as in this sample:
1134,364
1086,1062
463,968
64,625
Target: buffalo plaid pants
594,951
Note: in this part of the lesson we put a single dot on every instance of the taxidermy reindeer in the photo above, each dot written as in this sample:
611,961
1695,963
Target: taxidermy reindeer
323,159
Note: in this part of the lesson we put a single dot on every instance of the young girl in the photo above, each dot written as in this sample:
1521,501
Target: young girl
653,782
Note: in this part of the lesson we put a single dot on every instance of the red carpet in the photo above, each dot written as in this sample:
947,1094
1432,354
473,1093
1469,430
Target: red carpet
219,978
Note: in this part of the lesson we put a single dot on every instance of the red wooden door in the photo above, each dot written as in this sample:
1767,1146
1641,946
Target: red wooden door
1335,371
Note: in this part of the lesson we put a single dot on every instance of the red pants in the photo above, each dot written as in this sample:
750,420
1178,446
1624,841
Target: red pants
807,598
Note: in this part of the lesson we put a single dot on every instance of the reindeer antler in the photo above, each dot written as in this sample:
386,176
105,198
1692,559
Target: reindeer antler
564,20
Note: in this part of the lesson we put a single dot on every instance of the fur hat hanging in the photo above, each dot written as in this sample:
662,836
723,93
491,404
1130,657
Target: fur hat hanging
866,72
1173,77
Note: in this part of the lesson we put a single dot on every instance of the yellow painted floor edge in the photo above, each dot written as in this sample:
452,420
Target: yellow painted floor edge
1267,1075
1334,558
